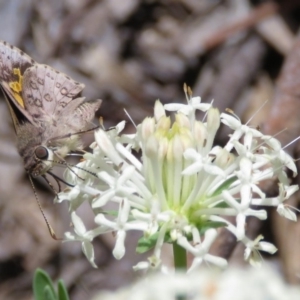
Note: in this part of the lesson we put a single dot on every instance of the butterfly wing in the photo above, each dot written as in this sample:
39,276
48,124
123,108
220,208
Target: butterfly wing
13,64
44,109
46,92
77,115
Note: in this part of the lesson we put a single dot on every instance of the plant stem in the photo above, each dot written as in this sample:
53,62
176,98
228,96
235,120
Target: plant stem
180,261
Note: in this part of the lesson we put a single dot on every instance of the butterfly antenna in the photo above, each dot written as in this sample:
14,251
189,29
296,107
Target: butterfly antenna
87,171
50,229
69,166
63,162
75,133
58,180
74,166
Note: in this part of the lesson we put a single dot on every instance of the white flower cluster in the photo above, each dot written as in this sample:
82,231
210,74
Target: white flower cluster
169,181
234,284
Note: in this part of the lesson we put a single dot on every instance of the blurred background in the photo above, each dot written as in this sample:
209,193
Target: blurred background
130,53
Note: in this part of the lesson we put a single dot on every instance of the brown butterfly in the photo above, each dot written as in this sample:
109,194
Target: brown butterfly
46,110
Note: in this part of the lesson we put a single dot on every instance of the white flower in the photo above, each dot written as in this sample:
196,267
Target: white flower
200,249
121,225
189,109
279,158
233,283
252,250
180,186
84,236
253,247
239,131
285,193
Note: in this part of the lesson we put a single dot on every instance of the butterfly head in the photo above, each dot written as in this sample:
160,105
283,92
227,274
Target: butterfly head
43,161
39,160
32,145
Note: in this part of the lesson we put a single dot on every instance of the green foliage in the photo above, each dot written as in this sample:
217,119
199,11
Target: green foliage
224,186
113,213
43,287
146,243
209,224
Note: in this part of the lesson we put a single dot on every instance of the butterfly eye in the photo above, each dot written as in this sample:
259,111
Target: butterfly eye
41,152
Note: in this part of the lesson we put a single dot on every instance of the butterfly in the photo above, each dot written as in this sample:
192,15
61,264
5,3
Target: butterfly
46,110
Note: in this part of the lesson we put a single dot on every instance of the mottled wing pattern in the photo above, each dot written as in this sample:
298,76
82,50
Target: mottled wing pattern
13,64
46,91
77,115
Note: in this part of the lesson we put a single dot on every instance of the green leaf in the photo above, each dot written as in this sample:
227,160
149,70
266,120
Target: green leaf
222,205
49,294
210,224
43,286
167,238
113,213
62,291
146,243
226,205
224,185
